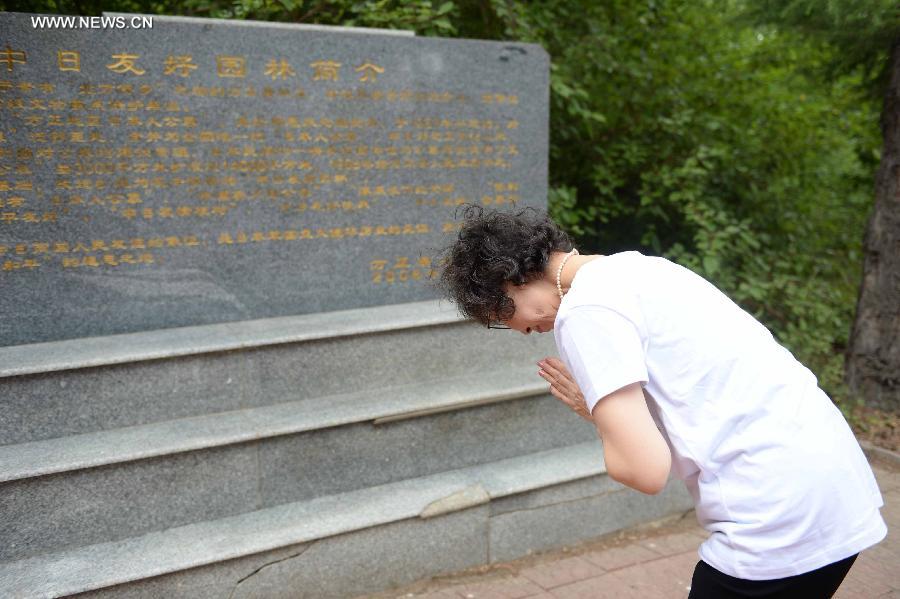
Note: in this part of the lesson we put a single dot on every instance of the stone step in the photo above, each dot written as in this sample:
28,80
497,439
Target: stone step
68,492
128,444
421,526
77,386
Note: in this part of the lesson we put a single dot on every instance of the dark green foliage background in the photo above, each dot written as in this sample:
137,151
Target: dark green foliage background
739,140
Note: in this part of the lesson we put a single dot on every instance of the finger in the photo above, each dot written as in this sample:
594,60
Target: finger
551,369
562,378
571,391
559,370
562,397
579,410
555,362
565,400
574,400
546,376
559,367
553,380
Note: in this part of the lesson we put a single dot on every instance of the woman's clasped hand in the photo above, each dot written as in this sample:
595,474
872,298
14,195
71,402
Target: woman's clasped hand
563,386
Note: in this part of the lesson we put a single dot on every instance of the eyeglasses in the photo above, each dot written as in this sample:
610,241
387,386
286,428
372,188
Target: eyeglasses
498,326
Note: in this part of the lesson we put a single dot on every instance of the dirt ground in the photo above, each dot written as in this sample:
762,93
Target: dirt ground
876,427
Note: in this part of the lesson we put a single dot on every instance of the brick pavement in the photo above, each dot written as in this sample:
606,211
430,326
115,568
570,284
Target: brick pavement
649,562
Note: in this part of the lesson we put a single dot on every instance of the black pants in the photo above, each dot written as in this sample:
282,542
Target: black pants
709,583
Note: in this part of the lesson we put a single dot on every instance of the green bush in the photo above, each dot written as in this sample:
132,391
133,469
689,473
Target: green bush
678,129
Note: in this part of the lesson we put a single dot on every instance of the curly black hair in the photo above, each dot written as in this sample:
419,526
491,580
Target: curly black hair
494,247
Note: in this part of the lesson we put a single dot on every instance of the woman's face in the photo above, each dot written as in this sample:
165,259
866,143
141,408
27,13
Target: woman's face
536,303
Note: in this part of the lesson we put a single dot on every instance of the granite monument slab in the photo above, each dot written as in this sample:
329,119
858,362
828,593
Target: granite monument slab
163,172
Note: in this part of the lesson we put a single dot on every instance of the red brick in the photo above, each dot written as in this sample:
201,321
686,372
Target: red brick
513,587
562,571
668,577
868,578
676,543
442,594
620,557
606,587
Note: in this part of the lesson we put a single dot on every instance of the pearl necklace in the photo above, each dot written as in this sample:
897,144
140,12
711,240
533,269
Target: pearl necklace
559,271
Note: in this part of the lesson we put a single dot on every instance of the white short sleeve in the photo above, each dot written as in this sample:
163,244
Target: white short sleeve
602,350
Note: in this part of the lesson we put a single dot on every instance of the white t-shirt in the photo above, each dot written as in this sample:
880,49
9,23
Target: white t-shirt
776,474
